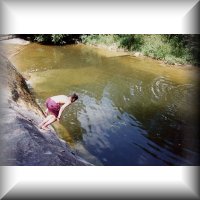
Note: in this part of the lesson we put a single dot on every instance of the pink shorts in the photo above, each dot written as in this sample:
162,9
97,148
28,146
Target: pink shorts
52,106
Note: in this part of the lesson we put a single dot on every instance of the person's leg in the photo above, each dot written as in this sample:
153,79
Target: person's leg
44,121
50,121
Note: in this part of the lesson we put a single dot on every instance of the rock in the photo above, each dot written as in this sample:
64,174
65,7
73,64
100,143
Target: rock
22,142
137,54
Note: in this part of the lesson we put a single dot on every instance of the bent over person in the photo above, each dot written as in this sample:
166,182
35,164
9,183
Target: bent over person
55,106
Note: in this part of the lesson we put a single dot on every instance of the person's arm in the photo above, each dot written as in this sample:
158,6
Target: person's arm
46,112
61,110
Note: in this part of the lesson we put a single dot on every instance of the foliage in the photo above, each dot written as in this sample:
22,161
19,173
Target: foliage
57,39
96,39
54,39
171,48
130,42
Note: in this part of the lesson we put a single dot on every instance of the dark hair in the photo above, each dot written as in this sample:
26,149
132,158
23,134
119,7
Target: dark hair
74,97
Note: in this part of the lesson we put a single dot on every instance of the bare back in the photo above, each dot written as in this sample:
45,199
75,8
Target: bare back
61,99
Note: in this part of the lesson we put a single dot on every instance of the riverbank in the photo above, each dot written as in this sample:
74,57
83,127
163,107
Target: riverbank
22,142
167,49
170,49
113,51
12,46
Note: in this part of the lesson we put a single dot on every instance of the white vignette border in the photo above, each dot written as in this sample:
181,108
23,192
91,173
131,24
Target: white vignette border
19,17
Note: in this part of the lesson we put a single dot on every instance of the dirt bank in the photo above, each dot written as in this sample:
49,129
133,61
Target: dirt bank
22,142
114,50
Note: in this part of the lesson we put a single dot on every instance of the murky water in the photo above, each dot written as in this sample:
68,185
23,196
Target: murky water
131,111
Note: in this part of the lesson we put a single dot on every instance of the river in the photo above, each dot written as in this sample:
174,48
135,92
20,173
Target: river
131,110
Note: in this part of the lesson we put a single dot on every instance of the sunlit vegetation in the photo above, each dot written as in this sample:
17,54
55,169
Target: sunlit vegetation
170,48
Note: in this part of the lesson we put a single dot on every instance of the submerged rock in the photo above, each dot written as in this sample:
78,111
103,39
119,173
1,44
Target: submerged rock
22,142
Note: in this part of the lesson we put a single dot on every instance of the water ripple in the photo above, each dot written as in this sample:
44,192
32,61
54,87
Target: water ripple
164,89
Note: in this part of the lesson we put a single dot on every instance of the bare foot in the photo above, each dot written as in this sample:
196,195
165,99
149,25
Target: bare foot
40,126
45,128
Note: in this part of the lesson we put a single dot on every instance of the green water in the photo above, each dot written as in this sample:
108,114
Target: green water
131,111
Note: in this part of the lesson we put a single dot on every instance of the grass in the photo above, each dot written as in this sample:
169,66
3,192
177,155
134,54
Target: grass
172,49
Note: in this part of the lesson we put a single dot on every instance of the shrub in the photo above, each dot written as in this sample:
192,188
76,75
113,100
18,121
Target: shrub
55,39
171,48
58,39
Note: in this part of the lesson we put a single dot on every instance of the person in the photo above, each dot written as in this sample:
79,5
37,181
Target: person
55,106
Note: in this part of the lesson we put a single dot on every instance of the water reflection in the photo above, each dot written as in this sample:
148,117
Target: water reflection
131,111
118,138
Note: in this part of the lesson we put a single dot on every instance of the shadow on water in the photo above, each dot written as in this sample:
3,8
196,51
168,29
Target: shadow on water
119,138
63,133
131,111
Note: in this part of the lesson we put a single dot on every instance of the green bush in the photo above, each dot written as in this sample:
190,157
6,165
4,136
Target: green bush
42,38
154,46
171,48
58,39
131,42
95,39
54,39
